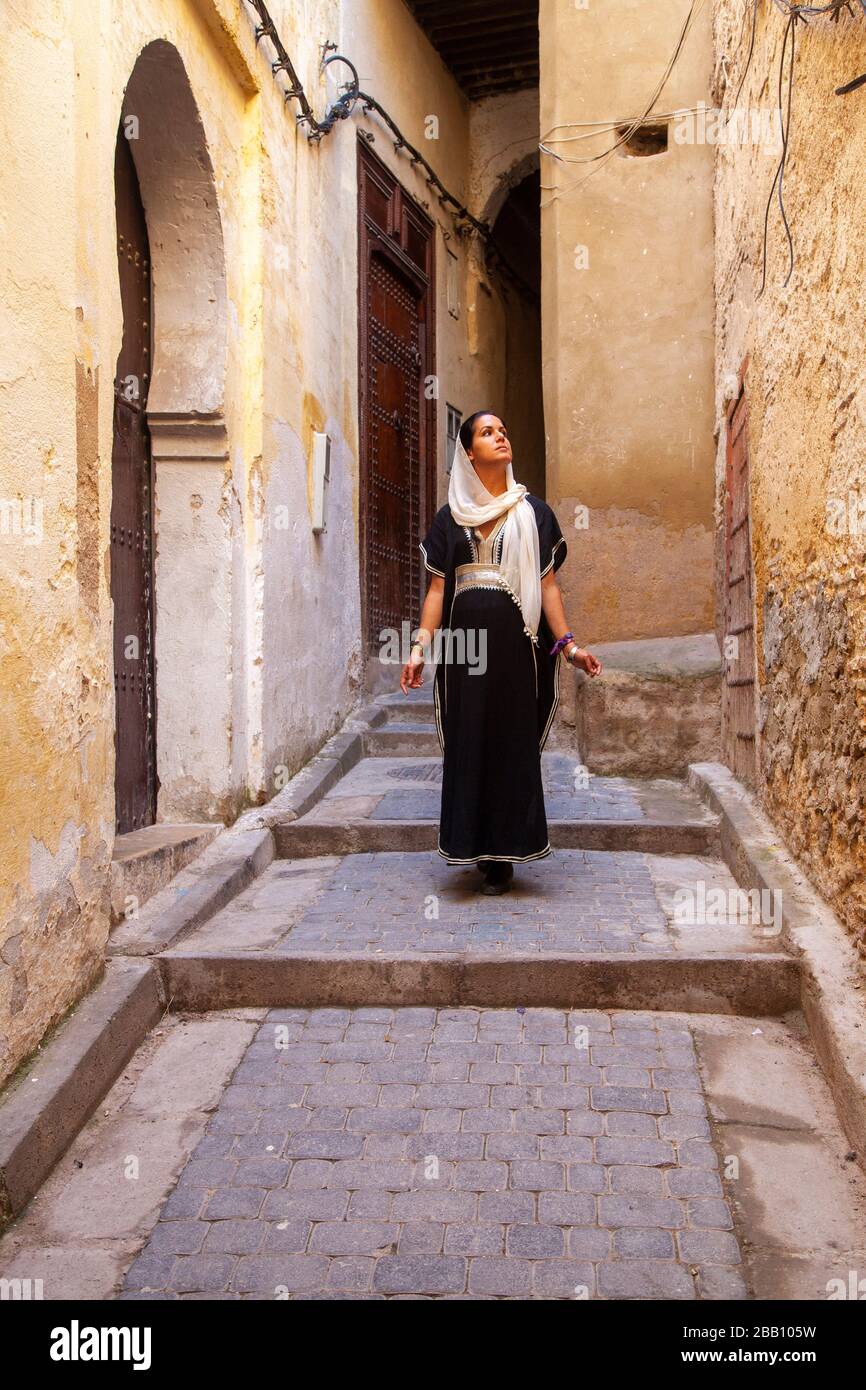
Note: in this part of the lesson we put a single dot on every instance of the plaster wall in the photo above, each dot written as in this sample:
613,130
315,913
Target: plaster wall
258,656
55,759
627,320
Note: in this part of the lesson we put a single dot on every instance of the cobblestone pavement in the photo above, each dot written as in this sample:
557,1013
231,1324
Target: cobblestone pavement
580,901
406,788
573,902
452,1153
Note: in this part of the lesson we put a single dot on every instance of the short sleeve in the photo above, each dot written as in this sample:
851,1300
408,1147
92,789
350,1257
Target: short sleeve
552,548
434,546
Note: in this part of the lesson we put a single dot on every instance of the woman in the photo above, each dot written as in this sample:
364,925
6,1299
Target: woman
493,552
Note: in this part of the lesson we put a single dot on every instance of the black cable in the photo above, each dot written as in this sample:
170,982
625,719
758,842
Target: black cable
780,169
751,51
343,108
792,29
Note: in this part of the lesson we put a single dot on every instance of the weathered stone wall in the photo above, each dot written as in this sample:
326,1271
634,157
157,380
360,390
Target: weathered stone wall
806,389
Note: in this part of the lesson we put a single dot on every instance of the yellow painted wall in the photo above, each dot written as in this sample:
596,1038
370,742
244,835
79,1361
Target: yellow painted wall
258,623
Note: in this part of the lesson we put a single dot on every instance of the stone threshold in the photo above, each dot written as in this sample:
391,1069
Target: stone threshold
312,839
144,861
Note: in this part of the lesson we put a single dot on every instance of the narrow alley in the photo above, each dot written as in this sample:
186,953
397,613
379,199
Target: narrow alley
433,632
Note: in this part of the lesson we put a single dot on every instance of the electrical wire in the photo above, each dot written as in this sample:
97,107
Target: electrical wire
602,127
342,109
751,50
602,158
790,28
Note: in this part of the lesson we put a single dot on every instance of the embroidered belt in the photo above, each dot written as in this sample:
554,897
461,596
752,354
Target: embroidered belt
478,577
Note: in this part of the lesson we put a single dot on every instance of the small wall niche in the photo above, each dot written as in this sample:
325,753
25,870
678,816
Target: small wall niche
646,140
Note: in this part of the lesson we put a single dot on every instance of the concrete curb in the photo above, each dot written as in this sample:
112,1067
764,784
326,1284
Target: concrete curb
42,1112
315,838
240,853
752,985
315,779
830,969
195,894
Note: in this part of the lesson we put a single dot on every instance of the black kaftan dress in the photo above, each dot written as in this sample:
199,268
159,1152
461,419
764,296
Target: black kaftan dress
495,695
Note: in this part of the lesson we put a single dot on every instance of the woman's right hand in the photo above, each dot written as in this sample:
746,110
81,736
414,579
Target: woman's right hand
411,677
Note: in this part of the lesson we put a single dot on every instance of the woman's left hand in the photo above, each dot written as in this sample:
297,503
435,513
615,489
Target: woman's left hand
585,661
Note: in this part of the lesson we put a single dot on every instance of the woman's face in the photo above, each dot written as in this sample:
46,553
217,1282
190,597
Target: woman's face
490,442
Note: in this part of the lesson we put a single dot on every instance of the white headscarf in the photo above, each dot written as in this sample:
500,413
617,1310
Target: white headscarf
472,505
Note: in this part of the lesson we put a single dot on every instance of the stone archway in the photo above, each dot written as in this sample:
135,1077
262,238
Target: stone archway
513,257
189,440
527,164
161,121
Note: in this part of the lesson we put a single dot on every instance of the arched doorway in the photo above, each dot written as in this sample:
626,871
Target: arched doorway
514,262
182,769
131,543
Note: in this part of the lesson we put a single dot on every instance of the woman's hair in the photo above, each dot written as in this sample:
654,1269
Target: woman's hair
467,429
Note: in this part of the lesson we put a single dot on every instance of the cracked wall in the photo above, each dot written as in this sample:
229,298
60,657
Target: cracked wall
55,758
806,388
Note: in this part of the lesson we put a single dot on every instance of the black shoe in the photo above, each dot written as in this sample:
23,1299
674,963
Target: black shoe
498,877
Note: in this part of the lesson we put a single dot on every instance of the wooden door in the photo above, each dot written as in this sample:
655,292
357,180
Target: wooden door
739,714
131,516
396,336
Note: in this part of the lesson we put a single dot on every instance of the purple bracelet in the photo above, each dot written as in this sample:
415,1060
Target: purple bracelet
569,637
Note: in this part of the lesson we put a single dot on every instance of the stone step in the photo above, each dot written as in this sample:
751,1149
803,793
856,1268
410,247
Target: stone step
416,713
401,740
144,861
761,985
416,706
407,725
574,902
306,838
407,788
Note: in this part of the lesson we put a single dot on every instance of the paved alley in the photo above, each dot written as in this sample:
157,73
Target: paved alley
413,1141
453,1152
